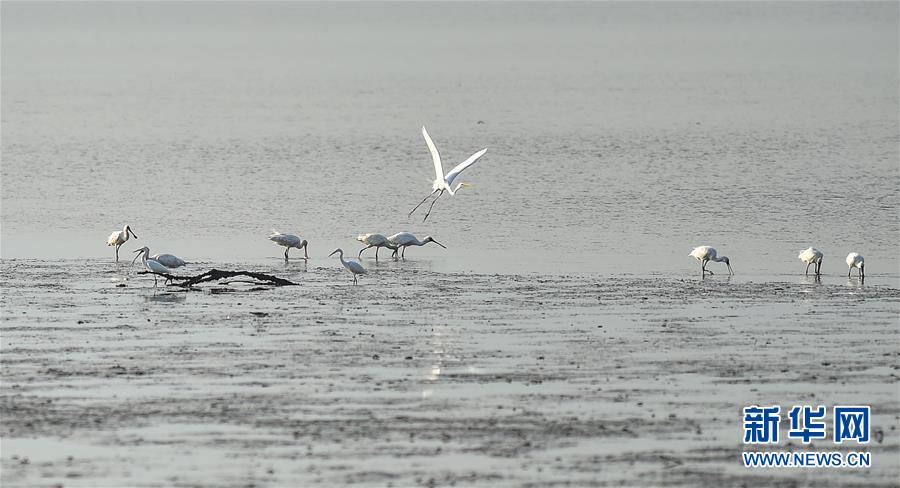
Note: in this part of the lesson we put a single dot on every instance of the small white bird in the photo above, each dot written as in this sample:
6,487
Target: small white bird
167,260
119,238
812,256
152,265
444,183
705,254
401,240
289,241
352,266
855,260
374,240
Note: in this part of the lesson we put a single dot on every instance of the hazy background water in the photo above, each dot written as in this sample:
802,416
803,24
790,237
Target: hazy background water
619,135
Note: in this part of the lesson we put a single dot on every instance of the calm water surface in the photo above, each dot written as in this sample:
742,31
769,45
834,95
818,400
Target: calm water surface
619,136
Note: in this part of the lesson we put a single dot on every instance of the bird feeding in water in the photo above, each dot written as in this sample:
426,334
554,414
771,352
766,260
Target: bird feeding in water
444,183
374,240
705,254
401,240
289,241
152,265
119,238
812,256
855,260
352,266
167,260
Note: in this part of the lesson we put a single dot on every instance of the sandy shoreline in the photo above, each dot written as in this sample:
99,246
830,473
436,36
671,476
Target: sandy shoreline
422,378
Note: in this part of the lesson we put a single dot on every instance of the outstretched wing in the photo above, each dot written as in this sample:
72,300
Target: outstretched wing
438,168
463,165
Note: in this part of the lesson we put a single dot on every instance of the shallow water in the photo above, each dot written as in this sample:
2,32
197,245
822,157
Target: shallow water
564,337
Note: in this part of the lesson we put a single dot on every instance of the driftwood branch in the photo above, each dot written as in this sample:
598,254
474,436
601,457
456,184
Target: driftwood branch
218,274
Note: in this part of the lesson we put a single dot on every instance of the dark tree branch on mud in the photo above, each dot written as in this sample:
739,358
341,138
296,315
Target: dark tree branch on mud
218,274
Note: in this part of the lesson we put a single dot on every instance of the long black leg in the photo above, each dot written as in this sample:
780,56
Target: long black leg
420,203
376,252
432,205
807,268
117,251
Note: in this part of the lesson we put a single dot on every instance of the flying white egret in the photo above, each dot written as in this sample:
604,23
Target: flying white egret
374,240
352,266
812,256
444,183
401,240
119,238
167,260
289,241
855,260
152,265
705,254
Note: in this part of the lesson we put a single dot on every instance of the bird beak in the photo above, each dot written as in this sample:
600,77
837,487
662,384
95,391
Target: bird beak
465,184
332,253
439,244
132,233
136,255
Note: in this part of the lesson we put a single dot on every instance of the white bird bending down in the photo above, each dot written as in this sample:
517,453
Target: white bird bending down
374,240
812,256
444,183
167,260
401,240
855,260
705,254
352,266
152,265
119,238
289,241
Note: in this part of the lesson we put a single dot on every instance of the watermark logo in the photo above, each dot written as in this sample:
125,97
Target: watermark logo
849,423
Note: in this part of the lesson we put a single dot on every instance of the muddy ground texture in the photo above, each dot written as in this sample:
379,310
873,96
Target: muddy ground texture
422,378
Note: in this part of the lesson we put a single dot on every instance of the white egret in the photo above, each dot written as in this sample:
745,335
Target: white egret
705,254
401,240
289,241
119,238
167,260
812,256
374,240
352,266
152,265
444,183
855,260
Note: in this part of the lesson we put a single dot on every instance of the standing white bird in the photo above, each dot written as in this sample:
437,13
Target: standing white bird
444,183
812,256
152,265
705,254
401,240
289,241
119,238
352,266
167,260
855,260
374,240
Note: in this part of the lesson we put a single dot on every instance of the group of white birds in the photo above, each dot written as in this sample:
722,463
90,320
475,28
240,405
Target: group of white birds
443,183
810,256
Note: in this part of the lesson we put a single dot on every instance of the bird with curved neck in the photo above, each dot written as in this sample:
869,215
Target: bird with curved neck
289,241
119,238
705,254
152,265
402,240
167,260
812,256
352,266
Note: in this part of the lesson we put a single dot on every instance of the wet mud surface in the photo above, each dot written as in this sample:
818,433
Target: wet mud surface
428,379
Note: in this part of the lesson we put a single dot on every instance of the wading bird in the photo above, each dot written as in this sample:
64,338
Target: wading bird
152,265
374,240
444,183
119,238
705,254
289,241
812,256
167,260
855,260
401,240
352,266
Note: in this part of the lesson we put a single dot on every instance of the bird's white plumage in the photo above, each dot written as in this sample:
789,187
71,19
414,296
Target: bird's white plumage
401,240
811,255
855,260
151,264
435,158
372,239
454,173
119,238
704,254
354,267
286,240
169,260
